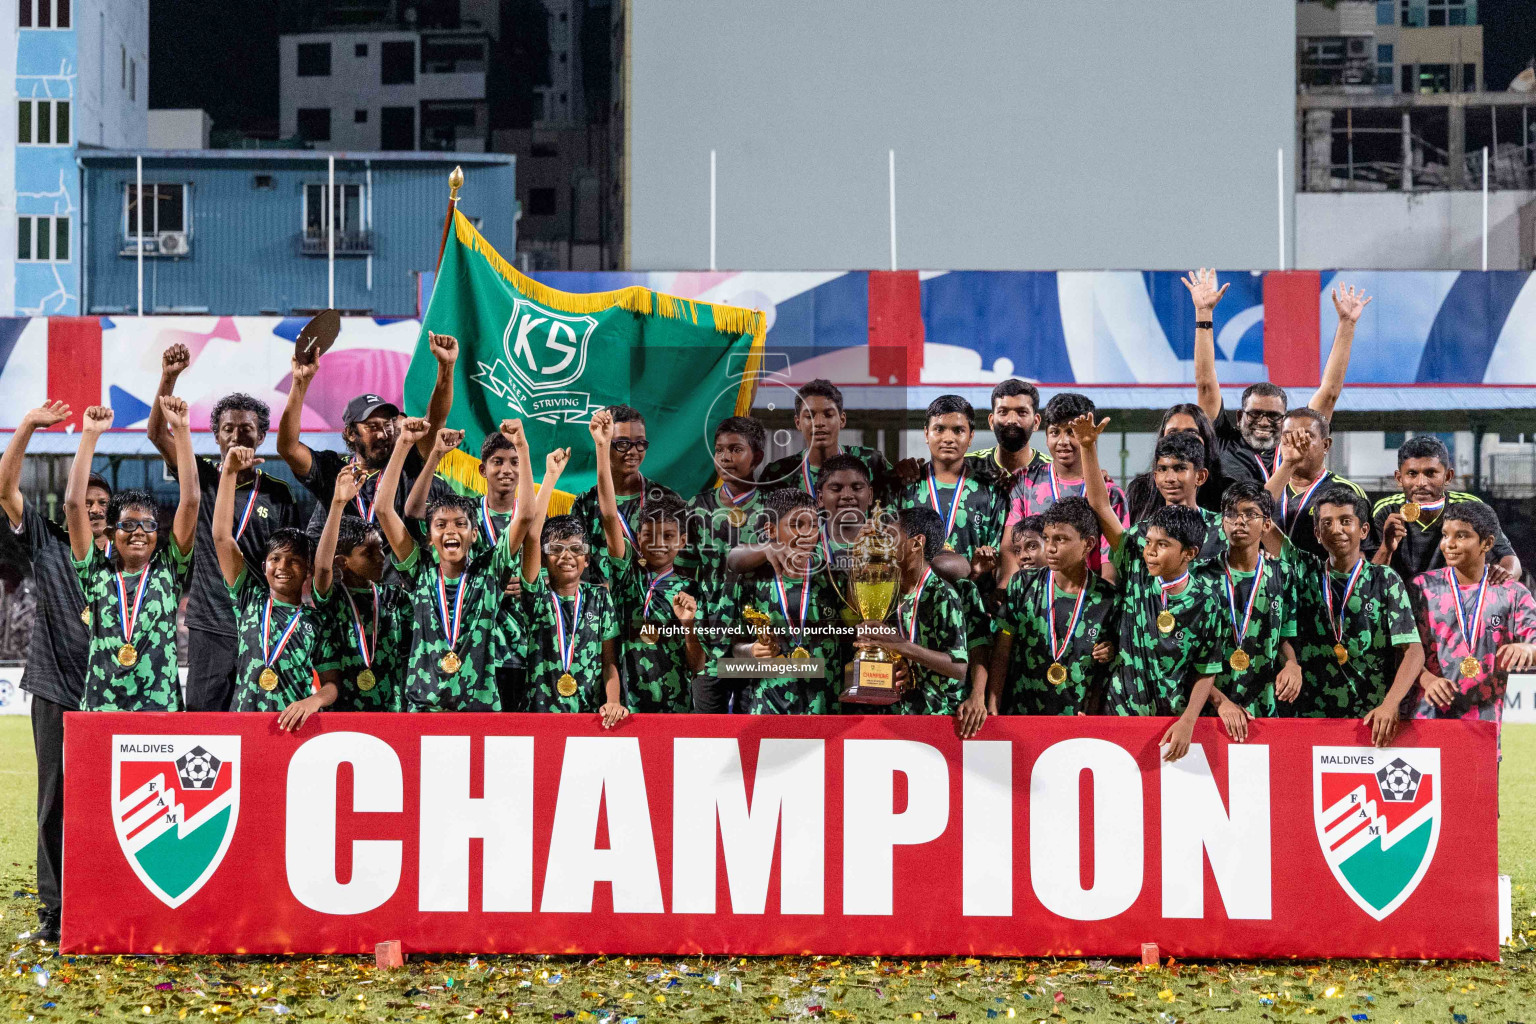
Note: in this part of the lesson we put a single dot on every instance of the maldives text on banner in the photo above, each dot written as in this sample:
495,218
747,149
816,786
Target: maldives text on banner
206,833
552,358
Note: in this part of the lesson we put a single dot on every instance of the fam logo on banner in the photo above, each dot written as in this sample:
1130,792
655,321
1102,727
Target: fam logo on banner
546,354
1378,820
174,804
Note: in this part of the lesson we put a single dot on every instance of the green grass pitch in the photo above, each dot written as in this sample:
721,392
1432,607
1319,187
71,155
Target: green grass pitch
37,986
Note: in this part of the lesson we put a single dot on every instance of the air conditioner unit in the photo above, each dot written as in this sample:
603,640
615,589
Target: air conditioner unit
173,243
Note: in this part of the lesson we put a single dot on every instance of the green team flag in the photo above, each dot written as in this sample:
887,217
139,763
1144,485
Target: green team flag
551,359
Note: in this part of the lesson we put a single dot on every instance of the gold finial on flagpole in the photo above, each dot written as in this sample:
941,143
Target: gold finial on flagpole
455,182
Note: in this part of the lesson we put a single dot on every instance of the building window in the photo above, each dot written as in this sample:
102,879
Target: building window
360,50
1383,12
1434,78
1446,12
397,63
359,117
263,182
42,239
42,123
122,53
1469,78
43,14
315,124
397,128
351,235
446,55
542,202
314,60
451,125
165,204
133,79
1383,53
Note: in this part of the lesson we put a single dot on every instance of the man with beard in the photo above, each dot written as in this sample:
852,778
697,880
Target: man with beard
263,505
370,427
1249,441
1012,464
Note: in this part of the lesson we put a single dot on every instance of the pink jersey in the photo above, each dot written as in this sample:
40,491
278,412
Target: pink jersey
1508,616
1034,494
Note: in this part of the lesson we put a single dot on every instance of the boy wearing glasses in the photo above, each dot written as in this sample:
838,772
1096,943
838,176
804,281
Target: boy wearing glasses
1258,604
457,597
631,488
132,593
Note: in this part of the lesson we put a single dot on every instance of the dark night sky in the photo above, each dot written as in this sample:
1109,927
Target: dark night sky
223,56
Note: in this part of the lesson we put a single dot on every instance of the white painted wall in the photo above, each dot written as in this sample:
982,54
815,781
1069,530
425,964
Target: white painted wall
1407,230
179,129
107,32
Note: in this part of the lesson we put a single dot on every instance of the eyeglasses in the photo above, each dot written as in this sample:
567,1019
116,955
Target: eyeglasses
1262,414
624,444
1244,517
134,525
556,550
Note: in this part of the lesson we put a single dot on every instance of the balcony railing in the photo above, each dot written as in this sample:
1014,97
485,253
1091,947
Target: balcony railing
348,243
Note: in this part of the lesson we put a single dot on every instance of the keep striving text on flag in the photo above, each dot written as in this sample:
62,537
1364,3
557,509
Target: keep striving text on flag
736,834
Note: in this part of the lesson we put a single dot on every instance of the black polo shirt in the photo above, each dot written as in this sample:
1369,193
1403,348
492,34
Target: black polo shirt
1419,550
208,603
321,482
1240,461
55,667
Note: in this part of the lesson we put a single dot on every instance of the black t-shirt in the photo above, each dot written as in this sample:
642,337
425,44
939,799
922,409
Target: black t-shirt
321,482
1239,461
56,655
1419,550
208,603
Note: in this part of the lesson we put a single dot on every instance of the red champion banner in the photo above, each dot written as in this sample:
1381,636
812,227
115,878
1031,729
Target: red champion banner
681,834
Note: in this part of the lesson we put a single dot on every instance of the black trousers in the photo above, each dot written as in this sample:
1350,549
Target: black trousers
210,670
48,739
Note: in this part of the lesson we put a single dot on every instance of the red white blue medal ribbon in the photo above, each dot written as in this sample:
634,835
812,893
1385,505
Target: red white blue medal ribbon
365,650
1469,634
1301,504
451,625
629,534
1057,650
1241,631
366,511
250,505
1430,507
734,500
130,619
954,502
565,640
807,475
270,653
1171,585
797,628
917,595
650,591
1335,621
486,526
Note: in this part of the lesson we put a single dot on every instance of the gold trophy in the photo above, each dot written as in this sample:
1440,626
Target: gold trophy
874,580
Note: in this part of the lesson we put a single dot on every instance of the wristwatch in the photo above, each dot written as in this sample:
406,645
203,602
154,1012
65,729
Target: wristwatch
1204,325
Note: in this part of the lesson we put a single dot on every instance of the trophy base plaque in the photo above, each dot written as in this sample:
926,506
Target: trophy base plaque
870,682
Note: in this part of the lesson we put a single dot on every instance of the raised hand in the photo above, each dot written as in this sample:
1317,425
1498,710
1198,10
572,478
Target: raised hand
447,441
512,430
909,470
1393,529
555,463
1086,432
98,419
47,414
238,460
175,412
445,348
1295,444
348,483
174,361
412,430
685,607
1203,290
985,561
1349,303
303,373
601,428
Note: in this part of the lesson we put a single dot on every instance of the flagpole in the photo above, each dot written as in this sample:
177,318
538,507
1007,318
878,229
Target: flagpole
455,182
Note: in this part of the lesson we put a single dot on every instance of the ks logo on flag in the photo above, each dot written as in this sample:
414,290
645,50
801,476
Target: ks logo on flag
174,804
1378,820
545,352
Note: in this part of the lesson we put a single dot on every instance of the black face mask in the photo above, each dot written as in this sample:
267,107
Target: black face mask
1011,437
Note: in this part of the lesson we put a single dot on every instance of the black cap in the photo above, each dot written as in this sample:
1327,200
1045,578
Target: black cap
364,406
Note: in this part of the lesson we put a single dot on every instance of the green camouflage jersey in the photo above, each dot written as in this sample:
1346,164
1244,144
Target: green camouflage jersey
1377,618
939,626
307,650
595,621
711,535
484,616
980,626
1027,690
655,674
630,506
1273,622
1156,670
789,695
796,472
978,519
152,682
389,642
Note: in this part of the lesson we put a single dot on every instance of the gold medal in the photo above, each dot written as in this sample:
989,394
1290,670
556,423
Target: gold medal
800,654
366,680
449,663
267,680
1341,652
1056,674
649,634
1165,622
1239,660
566,685
949,547
736,516
126,656
1412,511
85,617
1470,666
